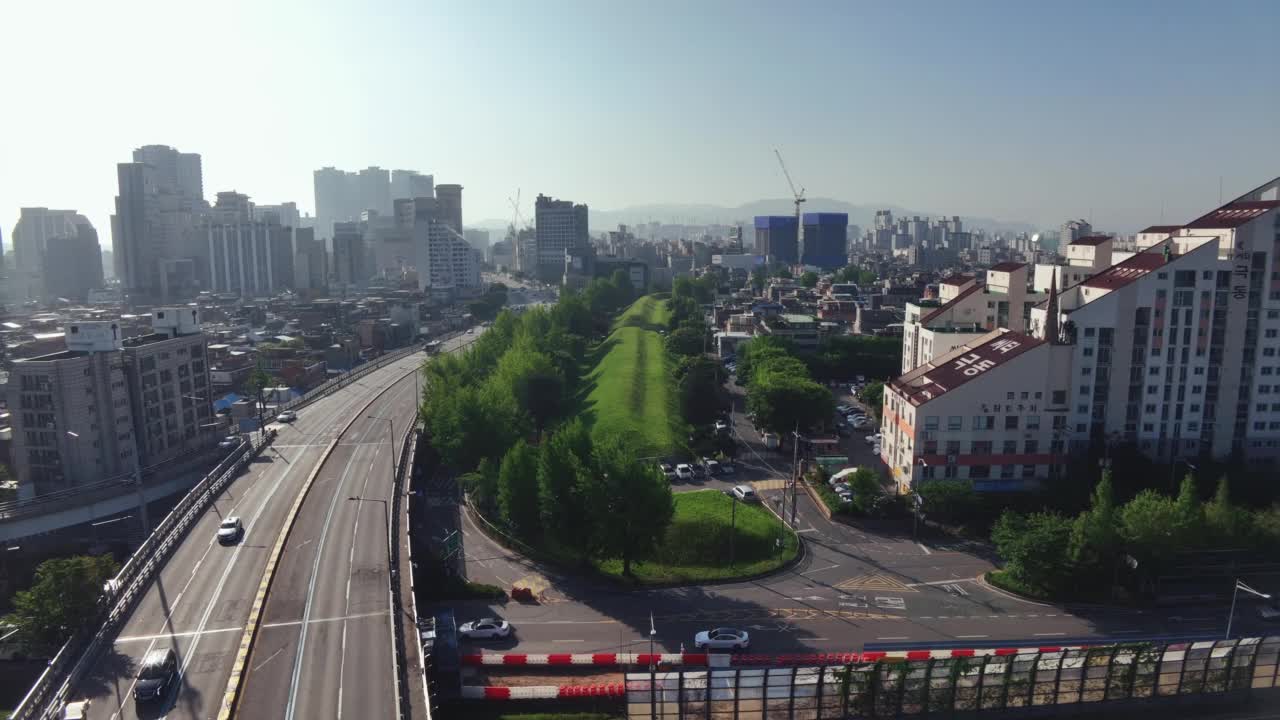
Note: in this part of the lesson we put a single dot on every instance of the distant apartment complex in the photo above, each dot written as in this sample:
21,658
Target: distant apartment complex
559,225
777,238
107,406
826,244
1174,348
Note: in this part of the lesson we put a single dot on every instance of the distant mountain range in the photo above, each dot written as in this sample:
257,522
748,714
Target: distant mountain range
698,214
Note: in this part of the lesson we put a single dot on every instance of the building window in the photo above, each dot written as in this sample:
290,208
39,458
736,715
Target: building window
1259,426
1193,427
1028,471
1010,447
1148,427
1059,397
1084,389
954,422
1153,371
1086,371
1009,396
1268,352
1152,389
1033,422
1150,408
981,447
1010,422
1008,471
980,472
1088,332
1200,370
1032,447
1194,408
930,422
1082,409
1024,396
1264,389
1088,352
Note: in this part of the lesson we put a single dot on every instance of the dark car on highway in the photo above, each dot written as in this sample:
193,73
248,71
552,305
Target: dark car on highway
156,675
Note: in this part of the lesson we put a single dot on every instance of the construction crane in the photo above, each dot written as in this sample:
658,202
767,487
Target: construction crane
799,196
515,212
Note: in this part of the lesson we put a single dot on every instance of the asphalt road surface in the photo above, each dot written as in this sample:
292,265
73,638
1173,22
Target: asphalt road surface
200,600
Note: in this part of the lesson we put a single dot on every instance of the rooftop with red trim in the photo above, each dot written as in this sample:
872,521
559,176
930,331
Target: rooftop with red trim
1233,214
1117,276
1162,229
1093,240
960,367
1007,266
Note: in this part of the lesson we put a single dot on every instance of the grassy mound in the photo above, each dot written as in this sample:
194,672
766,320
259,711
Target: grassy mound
630,386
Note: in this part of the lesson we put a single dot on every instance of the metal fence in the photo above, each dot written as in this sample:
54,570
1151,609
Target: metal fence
1071,681
394,528
78,654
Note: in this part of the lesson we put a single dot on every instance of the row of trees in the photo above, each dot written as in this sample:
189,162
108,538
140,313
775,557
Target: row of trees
699,379
578,495
839,355
1052,553
780,392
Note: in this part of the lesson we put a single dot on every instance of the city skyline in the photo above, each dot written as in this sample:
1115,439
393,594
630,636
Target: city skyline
1004,110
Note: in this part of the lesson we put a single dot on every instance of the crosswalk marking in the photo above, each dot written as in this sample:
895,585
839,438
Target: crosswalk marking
875,582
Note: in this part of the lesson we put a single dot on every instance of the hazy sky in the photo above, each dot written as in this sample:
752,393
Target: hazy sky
1023,110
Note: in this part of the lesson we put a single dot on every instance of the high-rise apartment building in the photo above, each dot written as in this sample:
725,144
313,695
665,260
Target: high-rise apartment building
825,241
106,406
34,228
777,238
446,262
159,201
559,225
249,258
410,184
73,264
310,262
343,196
1073,230
349,255
1174,349
478,239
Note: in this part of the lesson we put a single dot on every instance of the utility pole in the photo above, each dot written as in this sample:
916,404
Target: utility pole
733,525
795,469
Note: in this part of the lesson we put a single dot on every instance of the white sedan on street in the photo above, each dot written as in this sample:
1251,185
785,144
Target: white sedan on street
684,471
287,416
485,628
722,639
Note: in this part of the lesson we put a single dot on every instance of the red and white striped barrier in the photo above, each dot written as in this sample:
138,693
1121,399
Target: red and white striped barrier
597,659
542,692
874,656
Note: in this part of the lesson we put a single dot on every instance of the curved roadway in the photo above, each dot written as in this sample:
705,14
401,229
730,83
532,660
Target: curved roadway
200,601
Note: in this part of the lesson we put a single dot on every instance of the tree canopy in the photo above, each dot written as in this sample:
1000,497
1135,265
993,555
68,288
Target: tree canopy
62,599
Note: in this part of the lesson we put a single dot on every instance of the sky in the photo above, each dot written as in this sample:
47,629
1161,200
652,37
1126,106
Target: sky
1128,113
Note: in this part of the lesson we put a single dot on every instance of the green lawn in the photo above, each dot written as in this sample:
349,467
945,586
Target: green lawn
631,387
696,548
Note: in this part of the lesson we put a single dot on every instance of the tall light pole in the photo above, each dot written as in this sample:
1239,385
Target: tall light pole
1236,591
795,467
1173,473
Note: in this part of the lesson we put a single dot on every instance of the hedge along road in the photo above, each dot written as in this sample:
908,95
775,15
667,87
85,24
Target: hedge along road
630,389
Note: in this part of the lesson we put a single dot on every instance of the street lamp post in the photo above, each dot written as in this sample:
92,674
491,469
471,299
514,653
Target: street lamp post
1236,591
1173,473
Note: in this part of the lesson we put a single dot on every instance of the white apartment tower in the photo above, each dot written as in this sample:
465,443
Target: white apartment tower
1174,348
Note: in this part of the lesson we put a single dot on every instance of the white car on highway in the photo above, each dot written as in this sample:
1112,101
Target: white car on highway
287,416
230,530
722,639
485,628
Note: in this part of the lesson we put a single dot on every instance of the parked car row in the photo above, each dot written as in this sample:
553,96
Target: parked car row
704,468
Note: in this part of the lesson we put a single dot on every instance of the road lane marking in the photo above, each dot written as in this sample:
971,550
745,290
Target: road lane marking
568,641
162,636
1057,634
926,550
351,561
258,667
894,637
829,567
340,618
291,706
970,637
